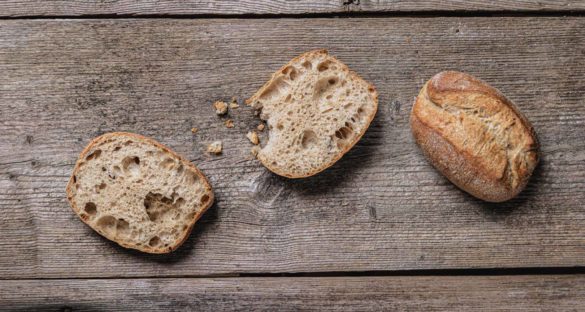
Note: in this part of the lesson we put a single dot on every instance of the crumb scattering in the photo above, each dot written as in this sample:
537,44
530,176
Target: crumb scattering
215,147
221,107
229,123
260,127
253,137
194,130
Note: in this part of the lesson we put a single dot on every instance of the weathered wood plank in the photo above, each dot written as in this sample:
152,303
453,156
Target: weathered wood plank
17,8
435,293
382,207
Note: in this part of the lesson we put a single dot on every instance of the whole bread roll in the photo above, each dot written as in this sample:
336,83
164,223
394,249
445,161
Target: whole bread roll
474,136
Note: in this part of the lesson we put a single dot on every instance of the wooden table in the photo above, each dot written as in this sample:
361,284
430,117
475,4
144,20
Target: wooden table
380,230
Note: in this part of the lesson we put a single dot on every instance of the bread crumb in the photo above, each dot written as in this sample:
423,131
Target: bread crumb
194,130
234,103
214,147
221,107
257,113
260,127
229,123
253,137
254,151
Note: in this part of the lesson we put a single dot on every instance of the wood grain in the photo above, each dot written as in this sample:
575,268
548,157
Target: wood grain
435,293
16,8
382,207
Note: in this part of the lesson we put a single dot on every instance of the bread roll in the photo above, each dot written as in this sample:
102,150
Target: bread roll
474,136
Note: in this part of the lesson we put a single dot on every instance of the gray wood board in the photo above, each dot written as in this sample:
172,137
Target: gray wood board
17,8
434,293
382,207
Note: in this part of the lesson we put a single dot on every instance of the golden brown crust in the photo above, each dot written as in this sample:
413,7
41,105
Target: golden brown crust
351,144
474,135
106,137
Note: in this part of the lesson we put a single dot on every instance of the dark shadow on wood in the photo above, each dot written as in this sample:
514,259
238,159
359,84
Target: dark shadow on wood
499,211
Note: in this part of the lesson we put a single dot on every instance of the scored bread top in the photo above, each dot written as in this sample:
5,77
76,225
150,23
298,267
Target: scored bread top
496,143
316,109
137,192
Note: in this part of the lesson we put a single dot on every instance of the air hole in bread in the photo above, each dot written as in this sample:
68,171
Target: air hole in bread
348,105
128,142
116,172
180,169
279,126
117,148
343,133
288,98
179,202
158,206
323,86
277,87
74,179
308,138
167,163
122,228
189,217
131,165
371,89
204,199
191,178
323,66
291,72
90,208
100,187
107,224
360,114
307,65
154,242
94,155
328,97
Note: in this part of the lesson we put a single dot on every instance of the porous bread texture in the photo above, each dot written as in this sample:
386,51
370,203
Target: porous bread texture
316,110
474,135
137,192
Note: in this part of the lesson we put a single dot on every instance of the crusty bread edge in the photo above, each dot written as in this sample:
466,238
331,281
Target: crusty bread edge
349,146
496,192
184,161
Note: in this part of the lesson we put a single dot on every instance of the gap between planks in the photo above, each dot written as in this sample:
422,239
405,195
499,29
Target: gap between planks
397,14
405,273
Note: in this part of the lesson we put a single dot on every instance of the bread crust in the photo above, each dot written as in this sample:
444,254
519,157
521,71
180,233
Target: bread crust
474,135
106,137
351,144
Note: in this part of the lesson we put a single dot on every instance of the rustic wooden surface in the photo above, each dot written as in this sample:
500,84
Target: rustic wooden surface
434,293
381,208
16,8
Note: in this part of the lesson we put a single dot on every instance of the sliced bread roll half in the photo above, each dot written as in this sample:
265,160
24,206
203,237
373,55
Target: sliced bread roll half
316,109
137,192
